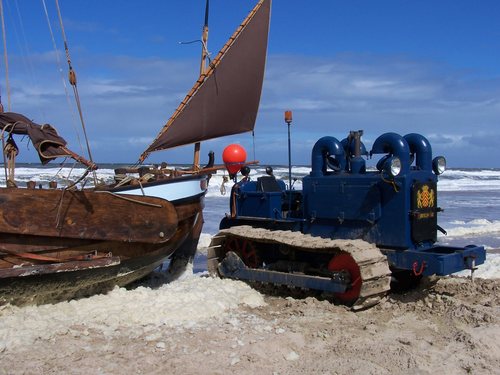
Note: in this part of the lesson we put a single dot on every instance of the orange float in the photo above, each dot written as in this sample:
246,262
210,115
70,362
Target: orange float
234,157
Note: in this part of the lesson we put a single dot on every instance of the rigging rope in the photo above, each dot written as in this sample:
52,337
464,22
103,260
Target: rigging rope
4,154
59,65
10,152
7,84
253,144
5,57
22,42
72,81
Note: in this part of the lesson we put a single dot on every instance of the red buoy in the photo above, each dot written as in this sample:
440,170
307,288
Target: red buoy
234,157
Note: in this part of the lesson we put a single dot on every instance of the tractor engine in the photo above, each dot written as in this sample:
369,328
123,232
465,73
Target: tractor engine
394,206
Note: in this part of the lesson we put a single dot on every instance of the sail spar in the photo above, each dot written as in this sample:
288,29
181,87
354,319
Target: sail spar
47,142
225,99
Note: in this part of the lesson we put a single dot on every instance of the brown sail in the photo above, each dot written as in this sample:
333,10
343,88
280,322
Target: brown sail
225,99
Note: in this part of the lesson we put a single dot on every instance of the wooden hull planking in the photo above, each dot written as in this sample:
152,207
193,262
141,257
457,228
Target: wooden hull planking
85,265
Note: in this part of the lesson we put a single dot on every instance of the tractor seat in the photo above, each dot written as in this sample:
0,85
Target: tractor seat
268,184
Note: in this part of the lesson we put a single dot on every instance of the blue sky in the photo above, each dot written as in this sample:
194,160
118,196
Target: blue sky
431,67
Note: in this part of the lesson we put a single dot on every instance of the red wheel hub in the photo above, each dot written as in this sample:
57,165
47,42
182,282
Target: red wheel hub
345,262
245,249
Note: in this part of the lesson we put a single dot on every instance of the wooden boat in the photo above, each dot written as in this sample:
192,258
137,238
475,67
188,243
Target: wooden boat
61,243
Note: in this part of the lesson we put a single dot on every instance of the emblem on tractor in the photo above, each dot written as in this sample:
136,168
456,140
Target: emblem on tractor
425,197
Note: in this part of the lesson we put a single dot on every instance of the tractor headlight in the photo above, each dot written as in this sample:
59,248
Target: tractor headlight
439,165
392,166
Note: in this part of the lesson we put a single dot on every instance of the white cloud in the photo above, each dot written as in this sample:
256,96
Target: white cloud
127,100
140,141
111,87
446,140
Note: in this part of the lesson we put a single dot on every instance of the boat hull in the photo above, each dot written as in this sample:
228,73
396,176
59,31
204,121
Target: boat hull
89,265
82,280
172,189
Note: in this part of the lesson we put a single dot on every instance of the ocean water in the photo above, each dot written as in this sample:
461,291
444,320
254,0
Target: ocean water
470,198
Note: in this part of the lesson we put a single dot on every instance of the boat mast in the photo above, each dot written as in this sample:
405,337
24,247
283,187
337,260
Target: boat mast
204,55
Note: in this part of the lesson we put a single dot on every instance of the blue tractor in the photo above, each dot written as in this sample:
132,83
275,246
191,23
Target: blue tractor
350,231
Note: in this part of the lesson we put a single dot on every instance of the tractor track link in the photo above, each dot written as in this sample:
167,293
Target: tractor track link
374,269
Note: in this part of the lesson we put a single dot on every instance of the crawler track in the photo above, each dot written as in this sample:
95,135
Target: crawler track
374,274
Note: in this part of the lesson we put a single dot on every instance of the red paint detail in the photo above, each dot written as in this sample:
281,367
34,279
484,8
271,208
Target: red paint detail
345,262
234,157
245,249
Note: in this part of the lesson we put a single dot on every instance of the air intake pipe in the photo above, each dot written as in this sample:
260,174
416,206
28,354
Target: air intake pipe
350,147
395,145
354,149
326,146
420,146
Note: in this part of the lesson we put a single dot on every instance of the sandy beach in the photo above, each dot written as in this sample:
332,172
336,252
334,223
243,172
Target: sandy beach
201,325
448,325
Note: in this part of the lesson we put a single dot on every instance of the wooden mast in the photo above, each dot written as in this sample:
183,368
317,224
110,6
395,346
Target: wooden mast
204,55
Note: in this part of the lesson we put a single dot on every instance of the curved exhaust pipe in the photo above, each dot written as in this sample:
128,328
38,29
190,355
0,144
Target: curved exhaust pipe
420,146
394,144
326,145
